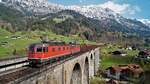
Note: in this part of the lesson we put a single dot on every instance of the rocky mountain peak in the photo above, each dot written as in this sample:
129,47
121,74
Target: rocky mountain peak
33,6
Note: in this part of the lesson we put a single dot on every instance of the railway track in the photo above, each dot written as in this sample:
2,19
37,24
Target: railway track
26,72
9,64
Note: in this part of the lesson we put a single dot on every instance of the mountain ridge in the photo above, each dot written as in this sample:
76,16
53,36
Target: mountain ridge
67,21
91,11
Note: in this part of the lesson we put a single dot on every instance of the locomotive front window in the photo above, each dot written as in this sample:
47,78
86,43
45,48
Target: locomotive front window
39,49
31,49
45,49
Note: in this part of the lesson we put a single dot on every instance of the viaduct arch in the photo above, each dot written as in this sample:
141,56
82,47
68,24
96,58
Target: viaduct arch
76,77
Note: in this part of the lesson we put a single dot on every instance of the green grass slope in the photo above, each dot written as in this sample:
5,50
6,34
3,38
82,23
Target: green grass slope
10,46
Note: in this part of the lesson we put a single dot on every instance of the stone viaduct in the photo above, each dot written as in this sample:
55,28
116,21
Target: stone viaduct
75,71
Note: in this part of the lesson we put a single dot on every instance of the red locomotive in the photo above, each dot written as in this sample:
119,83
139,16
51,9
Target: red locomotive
51,51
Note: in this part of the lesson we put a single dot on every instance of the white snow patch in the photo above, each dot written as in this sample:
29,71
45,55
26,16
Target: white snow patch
145,21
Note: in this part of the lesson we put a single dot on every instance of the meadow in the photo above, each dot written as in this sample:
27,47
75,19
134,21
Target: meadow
107,59
16,44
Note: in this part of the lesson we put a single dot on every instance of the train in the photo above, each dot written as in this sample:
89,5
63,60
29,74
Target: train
51,51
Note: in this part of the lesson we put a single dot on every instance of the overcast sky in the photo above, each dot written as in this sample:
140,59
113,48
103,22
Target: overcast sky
139,9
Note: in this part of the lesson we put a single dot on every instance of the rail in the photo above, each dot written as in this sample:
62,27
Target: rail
12,63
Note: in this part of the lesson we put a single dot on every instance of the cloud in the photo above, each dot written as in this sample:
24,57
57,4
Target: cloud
120,8
133,9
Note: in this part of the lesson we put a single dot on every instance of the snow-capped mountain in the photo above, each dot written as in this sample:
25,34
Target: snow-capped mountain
33,6
105,15
145,21
95,11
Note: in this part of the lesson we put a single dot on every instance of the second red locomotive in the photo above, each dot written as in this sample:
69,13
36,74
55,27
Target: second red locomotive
40,53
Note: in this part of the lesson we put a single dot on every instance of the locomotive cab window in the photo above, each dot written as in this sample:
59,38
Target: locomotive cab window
31,48
45,49
39,49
